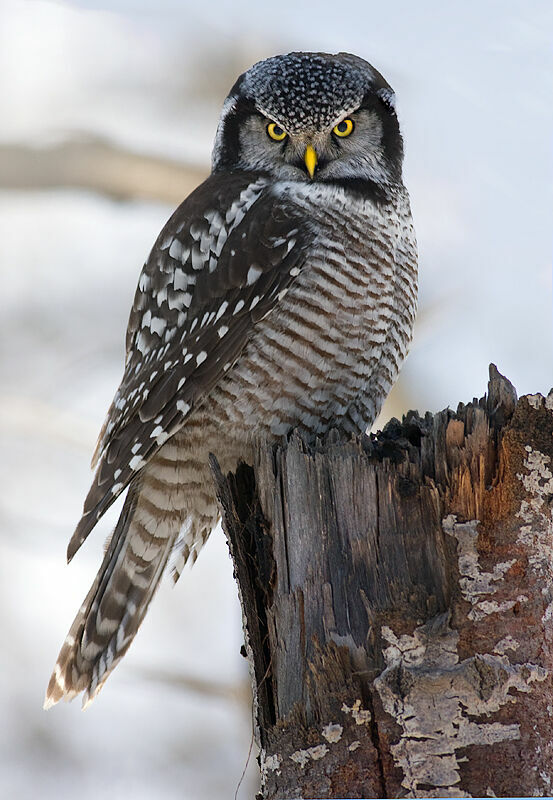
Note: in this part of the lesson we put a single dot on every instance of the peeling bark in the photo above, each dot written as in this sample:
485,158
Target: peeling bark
397,595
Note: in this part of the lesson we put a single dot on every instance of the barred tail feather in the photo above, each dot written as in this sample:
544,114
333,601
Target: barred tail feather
118,599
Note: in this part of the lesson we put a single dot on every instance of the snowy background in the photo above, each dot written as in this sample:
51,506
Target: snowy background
108,114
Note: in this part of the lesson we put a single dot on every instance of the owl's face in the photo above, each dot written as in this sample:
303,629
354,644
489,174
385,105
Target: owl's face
311,117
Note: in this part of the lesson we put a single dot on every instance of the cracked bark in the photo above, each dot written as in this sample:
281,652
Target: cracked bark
397,594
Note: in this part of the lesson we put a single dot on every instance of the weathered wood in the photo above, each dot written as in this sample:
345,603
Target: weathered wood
397,595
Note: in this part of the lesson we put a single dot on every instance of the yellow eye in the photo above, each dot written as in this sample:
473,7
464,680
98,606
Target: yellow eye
343,128
276,132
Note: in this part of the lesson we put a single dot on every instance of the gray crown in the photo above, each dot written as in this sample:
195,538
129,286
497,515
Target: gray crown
310,89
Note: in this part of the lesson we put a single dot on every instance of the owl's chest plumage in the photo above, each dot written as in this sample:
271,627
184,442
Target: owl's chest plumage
341,330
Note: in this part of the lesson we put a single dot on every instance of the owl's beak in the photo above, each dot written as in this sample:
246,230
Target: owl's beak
310,158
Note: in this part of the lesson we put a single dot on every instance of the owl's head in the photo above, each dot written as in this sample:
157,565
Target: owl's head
311,117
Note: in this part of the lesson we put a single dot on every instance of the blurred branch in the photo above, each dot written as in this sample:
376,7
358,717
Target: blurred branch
99,166
239,692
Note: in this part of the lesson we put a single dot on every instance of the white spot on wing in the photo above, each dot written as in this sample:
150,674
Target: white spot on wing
136,462
221,239
195,231
180,280
159,434
222,308
198,259
201,357
158,325
253,274
142,345
175,251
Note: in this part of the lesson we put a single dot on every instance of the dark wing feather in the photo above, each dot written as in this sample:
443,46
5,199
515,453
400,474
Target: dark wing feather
217,267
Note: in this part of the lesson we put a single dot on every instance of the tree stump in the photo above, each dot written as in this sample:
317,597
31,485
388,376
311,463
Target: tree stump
397,596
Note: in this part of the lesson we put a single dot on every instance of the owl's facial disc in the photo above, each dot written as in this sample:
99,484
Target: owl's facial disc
311,117
353,146
349,146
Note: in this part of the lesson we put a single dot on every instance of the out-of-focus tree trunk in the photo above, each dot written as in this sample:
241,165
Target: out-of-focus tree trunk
397,595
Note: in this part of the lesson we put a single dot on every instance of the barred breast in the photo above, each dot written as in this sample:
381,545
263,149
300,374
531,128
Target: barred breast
329,353
326,357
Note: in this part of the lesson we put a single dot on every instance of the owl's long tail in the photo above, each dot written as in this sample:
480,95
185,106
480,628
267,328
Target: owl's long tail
117,601
136,557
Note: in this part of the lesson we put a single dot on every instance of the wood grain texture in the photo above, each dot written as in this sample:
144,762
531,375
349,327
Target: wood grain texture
397,595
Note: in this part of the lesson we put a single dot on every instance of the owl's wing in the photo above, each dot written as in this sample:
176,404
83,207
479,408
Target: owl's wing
220,264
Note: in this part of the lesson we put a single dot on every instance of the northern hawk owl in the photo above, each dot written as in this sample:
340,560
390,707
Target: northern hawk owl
280,295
